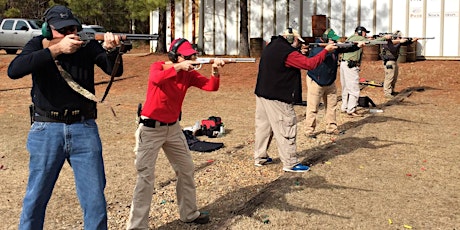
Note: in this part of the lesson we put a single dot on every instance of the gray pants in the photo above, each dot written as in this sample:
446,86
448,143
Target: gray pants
349,78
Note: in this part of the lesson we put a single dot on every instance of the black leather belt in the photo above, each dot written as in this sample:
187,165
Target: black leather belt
152,123
67,116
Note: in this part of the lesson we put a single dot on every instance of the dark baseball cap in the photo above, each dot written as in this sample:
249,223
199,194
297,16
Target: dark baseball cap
362,28
60,17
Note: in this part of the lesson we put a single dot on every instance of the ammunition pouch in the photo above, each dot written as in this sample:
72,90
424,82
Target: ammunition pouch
352,63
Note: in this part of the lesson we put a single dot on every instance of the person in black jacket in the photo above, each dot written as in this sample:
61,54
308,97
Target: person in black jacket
64,126
277,81
389,55
321,85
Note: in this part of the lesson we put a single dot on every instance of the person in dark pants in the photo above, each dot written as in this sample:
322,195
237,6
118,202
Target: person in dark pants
277,80
64,126
321,85
389,55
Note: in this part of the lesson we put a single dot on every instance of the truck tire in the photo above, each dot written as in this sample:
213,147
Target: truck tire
11,51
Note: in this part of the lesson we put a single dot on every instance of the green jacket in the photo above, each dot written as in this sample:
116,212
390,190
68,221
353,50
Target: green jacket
356,56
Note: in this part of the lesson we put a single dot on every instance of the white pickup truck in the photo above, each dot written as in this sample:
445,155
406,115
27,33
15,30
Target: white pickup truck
16,32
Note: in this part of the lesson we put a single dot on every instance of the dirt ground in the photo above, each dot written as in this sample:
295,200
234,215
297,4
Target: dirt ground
392,170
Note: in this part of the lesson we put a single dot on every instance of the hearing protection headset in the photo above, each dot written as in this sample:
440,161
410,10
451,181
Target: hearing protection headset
290,36
359,30
324,36
46,28
172,54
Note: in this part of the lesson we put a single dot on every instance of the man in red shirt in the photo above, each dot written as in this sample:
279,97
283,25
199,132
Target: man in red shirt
159,128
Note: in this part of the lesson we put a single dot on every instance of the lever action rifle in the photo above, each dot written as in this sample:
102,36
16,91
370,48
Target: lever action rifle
348,44
201,61
395,36
87,36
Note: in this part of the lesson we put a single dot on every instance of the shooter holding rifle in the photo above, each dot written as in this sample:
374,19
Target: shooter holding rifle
321,81
159,128
64,122
349,72
389,55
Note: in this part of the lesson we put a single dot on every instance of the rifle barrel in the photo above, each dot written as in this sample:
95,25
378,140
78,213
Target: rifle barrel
86,36
226,60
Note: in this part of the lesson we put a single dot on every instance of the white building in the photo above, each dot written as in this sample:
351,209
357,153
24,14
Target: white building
214,24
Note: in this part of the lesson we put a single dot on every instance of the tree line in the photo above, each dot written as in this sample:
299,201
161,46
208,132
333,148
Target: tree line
124,16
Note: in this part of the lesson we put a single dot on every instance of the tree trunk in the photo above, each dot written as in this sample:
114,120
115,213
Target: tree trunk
161,45
244,34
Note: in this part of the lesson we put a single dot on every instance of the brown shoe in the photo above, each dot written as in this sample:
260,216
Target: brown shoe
334,132
203,218
389,96
354,114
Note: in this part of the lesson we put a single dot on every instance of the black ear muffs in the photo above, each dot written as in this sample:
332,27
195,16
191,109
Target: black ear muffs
359,30
172,54
324,36
290,36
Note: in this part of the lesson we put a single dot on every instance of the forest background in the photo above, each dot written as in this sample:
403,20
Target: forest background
124,16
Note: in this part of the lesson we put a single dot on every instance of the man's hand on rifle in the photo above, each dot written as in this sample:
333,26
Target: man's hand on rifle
111,41
218,63
361,44
186,65
330,48
65,45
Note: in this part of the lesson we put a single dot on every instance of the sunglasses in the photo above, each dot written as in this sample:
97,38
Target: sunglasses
67,30
190,57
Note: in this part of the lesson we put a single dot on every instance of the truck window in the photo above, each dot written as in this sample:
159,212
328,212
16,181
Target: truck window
21,25
8,25
35,24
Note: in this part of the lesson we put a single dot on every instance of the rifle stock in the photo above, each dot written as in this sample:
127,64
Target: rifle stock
201,61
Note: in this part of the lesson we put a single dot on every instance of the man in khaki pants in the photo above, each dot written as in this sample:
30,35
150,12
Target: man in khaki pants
321,85
277,81
159,128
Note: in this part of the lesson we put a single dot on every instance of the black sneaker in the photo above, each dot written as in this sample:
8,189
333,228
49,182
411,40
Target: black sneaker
203,218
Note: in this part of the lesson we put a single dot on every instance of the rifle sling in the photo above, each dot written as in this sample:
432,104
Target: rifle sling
114,71
74,85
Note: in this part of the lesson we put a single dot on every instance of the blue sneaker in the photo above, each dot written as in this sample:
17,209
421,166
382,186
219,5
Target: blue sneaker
266,162
297,168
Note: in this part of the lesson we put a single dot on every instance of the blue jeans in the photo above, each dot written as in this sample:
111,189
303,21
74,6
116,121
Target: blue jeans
50,145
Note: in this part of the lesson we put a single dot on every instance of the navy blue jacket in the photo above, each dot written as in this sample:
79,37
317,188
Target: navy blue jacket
326,73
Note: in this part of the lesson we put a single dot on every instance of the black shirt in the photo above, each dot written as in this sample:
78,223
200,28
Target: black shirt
49,89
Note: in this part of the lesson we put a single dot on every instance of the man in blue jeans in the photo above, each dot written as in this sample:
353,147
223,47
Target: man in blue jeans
64,126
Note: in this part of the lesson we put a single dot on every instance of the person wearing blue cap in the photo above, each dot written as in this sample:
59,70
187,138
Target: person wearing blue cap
64,120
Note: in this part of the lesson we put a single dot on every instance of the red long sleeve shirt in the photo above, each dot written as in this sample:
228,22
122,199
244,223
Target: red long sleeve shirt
167,88
299,61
